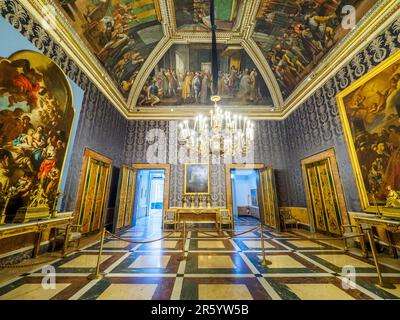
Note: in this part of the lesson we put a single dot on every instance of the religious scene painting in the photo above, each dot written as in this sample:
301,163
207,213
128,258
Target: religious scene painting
36,116
370,110
194,15
183,77
121,33
294,35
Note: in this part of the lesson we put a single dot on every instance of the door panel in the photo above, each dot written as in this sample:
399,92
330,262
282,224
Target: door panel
325,206
125,198
94,188
269,198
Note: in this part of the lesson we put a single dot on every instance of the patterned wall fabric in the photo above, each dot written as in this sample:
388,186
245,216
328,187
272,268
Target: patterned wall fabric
270,137
98,119
101,128
315,126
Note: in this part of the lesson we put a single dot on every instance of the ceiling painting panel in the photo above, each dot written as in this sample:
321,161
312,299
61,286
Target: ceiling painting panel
121,33
294,35
183,78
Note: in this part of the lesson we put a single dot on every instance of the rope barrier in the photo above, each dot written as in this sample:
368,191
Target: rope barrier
140,242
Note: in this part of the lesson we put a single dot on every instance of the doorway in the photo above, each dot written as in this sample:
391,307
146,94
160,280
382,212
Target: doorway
245,194
149,196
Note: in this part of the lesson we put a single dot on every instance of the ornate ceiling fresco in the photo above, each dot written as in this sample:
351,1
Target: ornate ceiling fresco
183,77
152,57
294,35
120,33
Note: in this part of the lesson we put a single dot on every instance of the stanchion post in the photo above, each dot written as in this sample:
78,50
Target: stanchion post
98,274
264,262
382,283
183,257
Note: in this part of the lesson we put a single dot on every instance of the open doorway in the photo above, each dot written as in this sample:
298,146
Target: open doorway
149,196
245,196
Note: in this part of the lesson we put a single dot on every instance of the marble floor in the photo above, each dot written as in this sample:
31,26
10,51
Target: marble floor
216,268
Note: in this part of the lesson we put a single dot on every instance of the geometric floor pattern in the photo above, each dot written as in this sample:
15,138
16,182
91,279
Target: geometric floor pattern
216,268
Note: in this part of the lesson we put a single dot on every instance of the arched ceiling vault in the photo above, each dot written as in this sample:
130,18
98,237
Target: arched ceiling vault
126,46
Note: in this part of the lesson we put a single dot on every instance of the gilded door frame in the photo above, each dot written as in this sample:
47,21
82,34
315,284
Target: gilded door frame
87,155
155,166
228,182
329,154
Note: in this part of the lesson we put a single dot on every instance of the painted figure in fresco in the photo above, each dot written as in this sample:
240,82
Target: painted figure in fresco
152,94
196,85
186,86
205,88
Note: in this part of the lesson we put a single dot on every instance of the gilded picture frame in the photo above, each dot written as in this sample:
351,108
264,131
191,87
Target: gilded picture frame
369,111
195,179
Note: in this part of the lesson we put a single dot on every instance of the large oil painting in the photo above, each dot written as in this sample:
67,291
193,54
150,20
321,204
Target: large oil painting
183,77
36,116
197,178
121,33
370,110
294,35
194,15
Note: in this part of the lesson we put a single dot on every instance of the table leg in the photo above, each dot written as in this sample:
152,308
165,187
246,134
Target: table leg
65,246
392,248
36,248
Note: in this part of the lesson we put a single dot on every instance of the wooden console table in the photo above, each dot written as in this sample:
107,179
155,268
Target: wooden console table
38,227
391,226
198,215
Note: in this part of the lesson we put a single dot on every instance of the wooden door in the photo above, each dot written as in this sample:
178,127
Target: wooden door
269,199
125,198
93,191
323,197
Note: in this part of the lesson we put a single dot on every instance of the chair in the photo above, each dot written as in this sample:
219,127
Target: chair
354,231
288,219
225,217
68,234
169,218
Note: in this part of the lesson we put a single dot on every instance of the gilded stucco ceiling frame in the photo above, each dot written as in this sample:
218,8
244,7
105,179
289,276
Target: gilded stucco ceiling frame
384,12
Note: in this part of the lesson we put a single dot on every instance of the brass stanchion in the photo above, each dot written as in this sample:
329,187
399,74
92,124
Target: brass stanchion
183,257
264,262
382,283
98,274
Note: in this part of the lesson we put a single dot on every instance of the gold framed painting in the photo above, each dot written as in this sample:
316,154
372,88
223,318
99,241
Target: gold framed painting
197,178
369,110
36,118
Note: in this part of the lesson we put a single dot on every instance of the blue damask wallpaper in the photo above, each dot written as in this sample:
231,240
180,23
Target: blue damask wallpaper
315,125
270,137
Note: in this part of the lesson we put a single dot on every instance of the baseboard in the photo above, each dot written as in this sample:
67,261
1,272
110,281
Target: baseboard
17,256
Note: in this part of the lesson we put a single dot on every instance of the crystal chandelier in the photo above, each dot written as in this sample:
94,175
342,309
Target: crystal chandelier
219,133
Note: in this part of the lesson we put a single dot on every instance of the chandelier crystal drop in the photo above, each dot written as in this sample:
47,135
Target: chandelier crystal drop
218,133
